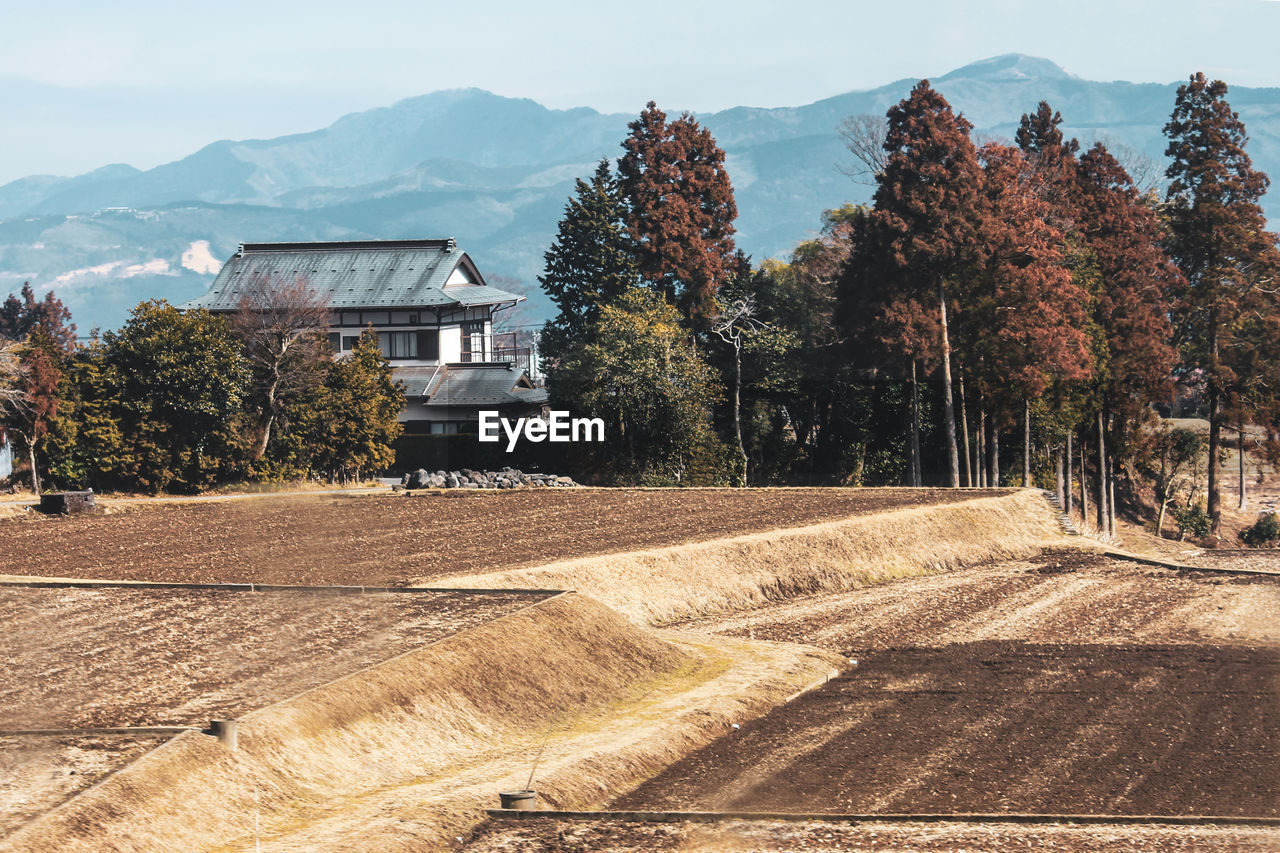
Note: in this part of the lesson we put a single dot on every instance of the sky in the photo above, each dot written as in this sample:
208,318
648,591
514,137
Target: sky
84,84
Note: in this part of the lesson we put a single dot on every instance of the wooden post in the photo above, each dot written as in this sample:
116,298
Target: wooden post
225,732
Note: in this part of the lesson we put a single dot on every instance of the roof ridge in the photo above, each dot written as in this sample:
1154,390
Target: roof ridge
447,244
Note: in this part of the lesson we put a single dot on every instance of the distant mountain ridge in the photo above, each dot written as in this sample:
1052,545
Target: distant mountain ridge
495,172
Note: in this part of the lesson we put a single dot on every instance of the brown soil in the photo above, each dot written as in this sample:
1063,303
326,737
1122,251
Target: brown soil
387,539
1062,596
758,836
999,727
76,658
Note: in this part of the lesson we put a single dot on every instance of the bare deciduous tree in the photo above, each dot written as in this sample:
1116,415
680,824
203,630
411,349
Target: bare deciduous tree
283,327
737,319
12,373
864,136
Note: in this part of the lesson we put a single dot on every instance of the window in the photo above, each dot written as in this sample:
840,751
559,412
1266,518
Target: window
444,428
351,318
377,318
473,341
398,344
429,344
335,341
349,342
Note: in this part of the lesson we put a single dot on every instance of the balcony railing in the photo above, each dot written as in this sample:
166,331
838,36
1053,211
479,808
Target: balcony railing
502,347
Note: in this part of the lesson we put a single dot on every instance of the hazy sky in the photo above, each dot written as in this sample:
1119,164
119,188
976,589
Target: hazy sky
83,84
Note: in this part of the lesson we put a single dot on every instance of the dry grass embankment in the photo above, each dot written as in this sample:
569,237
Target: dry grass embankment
658,586
407,753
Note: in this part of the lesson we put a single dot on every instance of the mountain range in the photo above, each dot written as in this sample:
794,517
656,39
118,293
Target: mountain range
495,173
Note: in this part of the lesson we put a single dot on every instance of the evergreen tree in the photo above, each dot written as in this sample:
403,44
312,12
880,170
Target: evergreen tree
590,263
680,209
22,313
928,210
182,382
1218,239
654,393
351,422
86,443
41,365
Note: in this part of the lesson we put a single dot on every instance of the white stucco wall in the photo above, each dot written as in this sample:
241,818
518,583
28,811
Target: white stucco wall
450,344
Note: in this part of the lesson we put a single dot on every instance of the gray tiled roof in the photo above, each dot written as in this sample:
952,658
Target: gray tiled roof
469,385
362,274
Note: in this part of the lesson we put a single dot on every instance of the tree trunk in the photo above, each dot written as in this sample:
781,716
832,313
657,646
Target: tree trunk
953,453
31,460
1244,501
1026,443
914,450
1102,476
1068,501
1084,485
1215,435
981,461
964,427
1057,467
1111,502
267,421
261,449
1164,505
994,454
737,413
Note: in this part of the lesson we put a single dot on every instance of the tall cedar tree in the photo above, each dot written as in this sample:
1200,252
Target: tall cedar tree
42,359
928,204
1137,280
1052,158
1026,317
680,209
22,313
1218,239
589,265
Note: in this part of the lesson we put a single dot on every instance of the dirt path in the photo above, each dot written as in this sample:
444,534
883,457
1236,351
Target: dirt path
384,539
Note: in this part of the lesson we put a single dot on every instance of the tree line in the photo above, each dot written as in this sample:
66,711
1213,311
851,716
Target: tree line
179,401
1010,312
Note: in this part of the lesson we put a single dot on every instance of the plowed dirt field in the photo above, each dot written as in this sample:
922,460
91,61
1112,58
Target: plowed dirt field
121,657
105,658
999,727
765,836
381,540
1062,596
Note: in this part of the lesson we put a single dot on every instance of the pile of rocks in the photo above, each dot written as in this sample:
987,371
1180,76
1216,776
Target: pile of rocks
507,478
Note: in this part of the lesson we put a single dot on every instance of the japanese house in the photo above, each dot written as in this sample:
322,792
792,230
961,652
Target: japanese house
431,308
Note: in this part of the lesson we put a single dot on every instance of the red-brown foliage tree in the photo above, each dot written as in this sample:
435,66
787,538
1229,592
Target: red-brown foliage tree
929,211
1218,239
680,209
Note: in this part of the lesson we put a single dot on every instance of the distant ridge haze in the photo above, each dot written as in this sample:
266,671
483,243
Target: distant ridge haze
495,172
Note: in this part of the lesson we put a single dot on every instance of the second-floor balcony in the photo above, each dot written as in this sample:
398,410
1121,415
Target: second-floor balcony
498,347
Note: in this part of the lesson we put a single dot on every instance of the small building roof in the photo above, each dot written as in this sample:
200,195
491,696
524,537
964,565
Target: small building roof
391,274
497,384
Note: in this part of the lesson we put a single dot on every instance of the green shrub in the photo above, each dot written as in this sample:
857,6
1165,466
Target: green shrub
1193,520
1264,533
